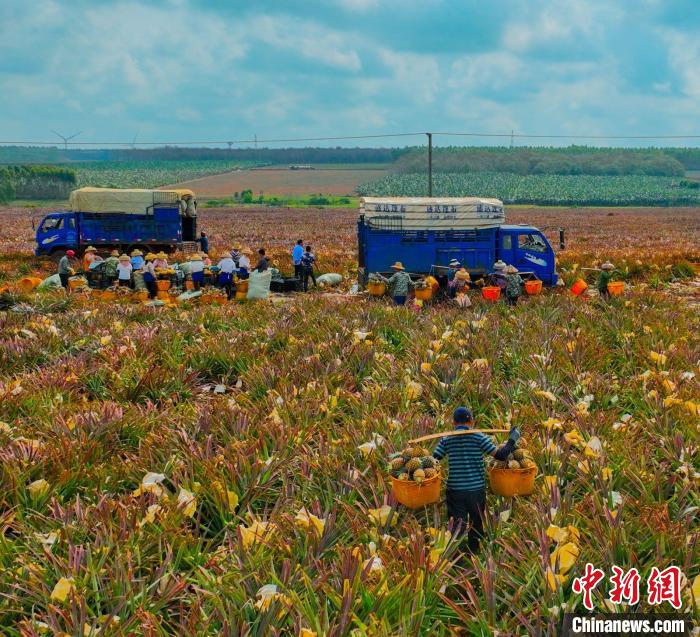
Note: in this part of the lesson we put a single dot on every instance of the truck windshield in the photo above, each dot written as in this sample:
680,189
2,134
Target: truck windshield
532,242
51,223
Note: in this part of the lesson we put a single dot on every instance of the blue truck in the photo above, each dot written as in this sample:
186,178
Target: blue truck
150,220
425,234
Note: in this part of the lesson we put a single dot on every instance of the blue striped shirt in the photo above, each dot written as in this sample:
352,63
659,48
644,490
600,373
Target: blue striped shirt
466,458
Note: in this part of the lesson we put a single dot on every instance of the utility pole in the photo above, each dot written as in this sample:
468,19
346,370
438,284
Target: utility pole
511,138
430,164
255,137
229,145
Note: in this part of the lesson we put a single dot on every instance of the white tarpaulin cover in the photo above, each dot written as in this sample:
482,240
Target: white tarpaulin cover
135,201
432,213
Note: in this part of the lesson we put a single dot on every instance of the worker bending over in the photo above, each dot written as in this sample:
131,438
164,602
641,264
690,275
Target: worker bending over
466,483
399,283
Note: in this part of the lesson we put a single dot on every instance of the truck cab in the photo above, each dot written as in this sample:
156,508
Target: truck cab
527,249
57,231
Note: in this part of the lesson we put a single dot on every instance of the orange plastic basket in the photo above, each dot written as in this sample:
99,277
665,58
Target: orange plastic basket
189,285
533,287
376,289
491,292
163,286
424,294
512,482
28,283
414,495
616,288
242,286
579,287
241,296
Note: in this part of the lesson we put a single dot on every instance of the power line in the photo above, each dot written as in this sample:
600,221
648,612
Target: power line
512,135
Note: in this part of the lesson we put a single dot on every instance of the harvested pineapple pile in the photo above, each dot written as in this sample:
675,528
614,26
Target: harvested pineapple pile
519,459
413,464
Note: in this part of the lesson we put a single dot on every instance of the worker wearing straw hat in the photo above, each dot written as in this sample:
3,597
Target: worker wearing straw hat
459,287
226,267
89,257
514,285
111,263
244,264
124,269
197,270
399,283
137,260
607,271
149,275
498,276
161,260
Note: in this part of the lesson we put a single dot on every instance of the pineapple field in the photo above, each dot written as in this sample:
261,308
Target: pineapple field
227,469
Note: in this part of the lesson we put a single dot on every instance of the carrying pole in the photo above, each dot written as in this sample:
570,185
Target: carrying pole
430,164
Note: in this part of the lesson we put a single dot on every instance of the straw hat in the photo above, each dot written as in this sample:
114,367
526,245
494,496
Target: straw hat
137,253
398,266
150,256
462,275
114,253
499,265
607,266
90,249
161,255
195,257
511,269
124,257
454,263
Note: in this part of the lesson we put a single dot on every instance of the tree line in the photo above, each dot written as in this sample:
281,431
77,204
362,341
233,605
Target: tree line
35,182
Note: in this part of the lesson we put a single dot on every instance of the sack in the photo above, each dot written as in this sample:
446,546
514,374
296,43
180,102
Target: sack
189,295
330,279
139,282
54,281
259,284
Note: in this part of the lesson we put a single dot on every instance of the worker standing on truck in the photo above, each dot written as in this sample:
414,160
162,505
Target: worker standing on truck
89,257
203,242
111,263
466,483
149,276
124,269
514,285
399,283
308,260
65,268
297,254
607,271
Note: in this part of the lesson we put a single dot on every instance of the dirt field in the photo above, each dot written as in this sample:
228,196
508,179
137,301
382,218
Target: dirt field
282,181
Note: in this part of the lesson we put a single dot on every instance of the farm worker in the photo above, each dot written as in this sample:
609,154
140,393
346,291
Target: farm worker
606,275
65,268
197,270
308,261
149,276
263,262
111,263
459,286
399,283
297,254
124,269
161,261
514,285
226,267
236,254
89,257
466,485
203,242
137,260
206,259
244,265
498,276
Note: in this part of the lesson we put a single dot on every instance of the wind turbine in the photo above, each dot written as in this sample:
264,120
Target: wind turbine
66,139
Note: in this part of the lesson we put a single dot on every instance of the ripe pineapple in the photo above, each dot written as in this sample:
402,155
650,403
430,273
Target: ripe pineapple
513,464
428,462
407,453
419,475
397,463
403,476
518,455
412,465
430,473
417,452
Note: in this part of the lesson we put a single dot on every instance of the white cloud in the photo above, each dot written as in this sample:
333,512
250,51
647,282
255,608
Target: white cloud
359,5
684,58
411,73
489,70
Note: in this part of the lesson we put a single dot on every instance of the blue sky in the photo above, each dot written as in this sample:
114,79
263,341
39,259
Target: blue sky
186,70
